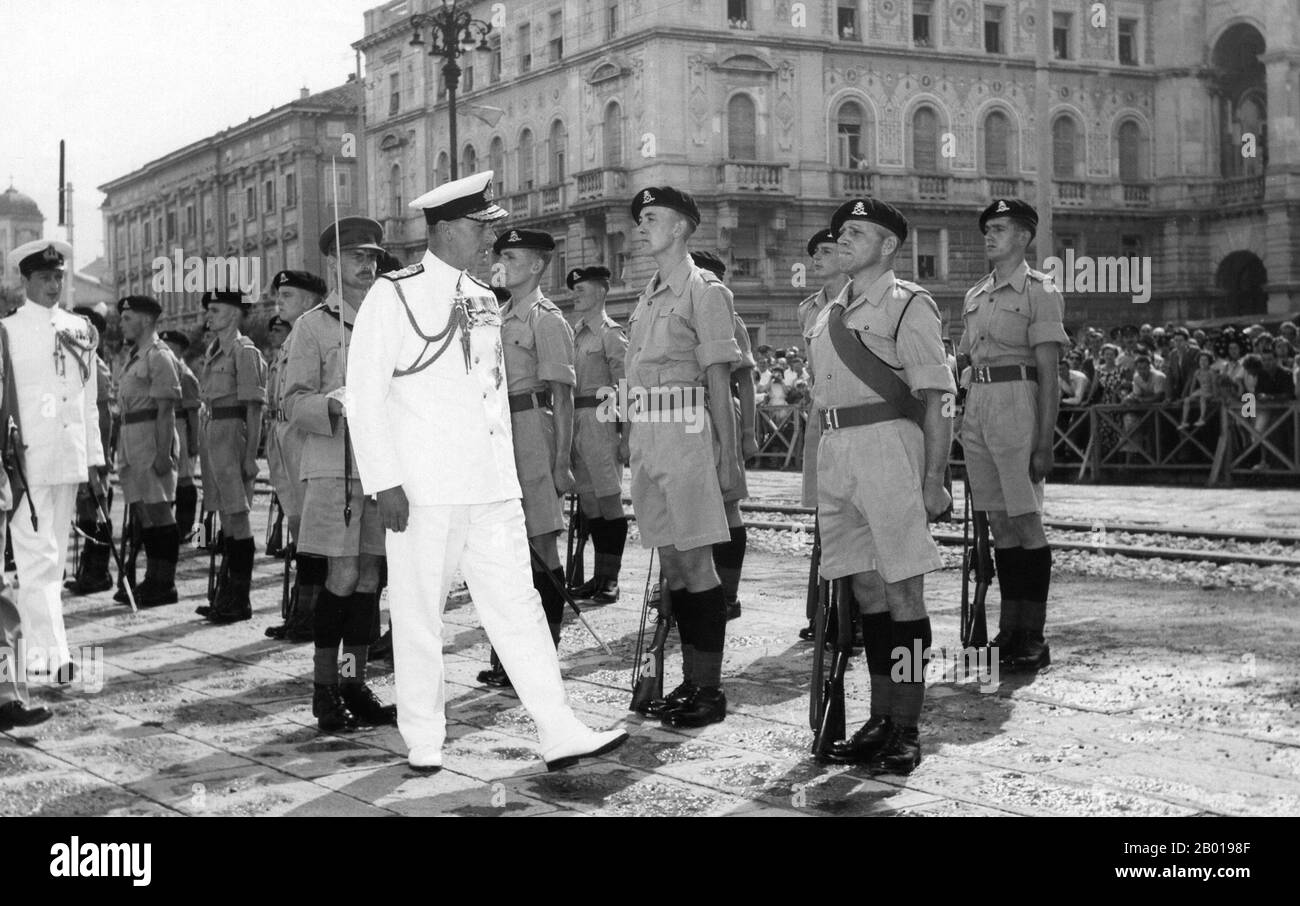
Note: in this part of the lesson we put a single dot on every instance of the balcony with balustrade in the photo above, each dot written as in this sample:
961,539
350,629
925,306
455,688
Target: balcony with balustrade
749,177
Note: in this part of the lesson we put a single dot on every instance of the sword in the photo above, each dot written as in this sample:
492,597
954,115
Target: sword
15,449
343,346
540,564
121,570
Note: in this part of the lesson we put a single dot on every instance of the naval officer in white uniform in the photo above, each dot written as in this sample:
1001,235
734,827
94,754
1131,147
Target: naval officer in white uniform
426,395
52,352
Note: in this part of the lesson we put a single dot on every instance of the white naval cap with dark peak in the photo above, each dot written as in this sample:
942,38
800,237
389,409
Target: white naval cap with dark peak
468,197
39,255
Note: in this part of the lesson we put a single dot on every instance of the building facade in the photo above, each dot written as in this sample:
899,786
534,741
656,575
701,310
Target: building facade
257,195
21,221
1172,131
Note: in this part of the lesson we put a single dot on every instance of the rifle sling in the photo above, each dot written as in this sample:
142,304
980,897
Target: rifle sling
874,371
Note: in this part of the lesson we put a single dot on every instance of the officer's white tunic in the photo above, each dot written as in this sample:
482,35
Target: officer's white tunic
60,425
443,435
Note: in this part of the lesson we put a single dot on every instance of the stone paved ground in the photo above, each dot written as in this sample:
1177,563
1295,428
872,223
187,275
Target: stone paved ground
1163,700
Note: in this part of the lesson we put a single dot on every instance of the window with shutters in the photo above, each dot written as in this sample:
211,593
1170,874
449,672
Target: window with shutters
1130,152
494,59
497,162
555,37
526,172
1064,138
613,136
290,190
850,137
925,140
250,202
997,144
268,195
525,36
395,199
921,13
394,93
191,221
742,128
993,29
611,22
1061,28
1128,42
558,149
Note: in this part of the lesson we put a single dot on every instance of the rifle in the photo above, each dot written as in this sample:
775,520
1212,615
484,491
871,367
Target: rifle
828,703
121,567
275,527
212,541
976,559
814,582
579,532
540,565
284,588
648,668
13,462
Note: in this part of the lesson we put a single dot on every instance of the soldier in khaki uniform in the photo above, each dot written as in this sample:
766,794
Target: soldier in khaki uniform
729,556
148,389
882,383
295,293
232,390
599,351
339,521
1012,334
538,346
92,569
824,250
682,441
187,435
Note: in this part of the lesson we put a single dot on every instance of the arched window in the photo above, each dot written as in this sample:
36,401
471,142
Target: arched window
925,140
1064,137
1132,154
468,161
1251,120
395,191
851,137
525,160
997,144
742,128
497,161
559,144
442,172
613,136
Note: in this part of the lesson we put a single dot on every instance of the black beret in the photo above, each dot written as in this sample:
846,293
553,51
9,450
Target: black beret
524,239
1017,210
872,210
146,305
229,297
95,317
277,321
666,197
175,336
353,233
819,237
299,280
579,274
709,262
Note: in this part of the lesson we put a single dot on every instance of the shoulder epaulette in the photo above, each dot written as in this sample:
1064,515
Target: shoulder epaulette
610,322
409,271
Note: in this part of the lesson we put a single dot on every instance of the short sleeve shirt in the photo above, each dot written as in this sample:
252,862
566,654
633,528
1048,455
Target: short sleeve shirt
537,343
235,375
1005,319
682,324
599,352
150,375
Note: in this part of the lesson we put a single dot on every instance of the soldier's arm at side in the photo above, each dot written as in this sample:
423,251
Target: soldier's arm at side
372,359
1046,334
306,408
714,321
165,391
251,391
925,366
554,343
94,444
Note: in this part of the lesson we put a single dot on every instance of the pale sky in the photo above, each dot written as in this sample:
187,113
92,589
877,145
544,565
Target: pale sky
124,82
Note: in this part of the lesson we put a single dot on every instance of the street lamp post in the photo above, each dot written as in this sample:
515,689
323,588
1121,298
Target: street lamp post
452,28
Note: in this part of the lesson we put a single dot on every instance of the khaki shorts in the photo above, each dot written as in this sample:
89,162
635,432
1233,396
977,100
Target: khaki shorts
284,457
812,436
224,487
998,435
533,432
741,490
323,531
596,468
870,504
140,484
675,491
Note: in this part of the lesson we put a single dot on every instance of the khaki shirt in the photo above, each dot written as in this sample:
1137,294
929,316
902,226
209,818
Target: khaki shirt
682,324
188,409
1005,319
599,355
315,369
537,342
149,380
275,374
873,314
237,375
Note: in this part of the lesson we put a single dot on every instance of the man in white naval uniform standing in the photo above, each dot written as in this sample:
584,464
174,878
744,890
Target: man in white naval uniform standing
52,352
426,394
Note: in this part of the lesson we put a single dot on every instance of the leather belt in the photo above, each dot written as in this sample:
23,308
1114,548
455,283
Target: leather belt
586,402
662,399
536,399
278,415
139,415
996,374
217,412
857,416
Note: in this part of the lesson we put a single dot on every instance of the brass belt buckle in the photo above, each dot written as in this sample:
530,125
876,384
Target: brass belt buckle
982,375
831,418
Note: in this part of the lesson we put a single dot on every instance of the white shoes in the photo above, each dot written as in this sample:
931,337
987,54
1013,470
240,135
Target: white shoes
583,745
425,759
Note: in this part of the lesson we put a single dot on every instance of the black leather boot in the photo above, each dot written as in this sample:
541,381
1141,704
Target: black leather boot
900,754
367,708
331,711
495,675
235,606
382,649
707,706
674,701
863,745
1033,653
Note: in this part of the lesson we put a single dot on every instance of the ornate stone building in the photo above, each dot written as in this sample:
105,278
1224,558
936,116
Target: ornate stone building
1172,131
259,192
20,221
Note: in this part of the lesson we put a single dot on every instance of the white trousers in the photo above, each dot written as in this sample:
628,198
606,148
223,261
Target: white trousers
489,545
40,557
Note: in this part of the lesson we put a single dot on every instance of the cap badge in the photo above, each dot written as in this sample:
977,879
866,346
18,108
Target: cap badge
514,236
1002,206
51,254
646,197
859,210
